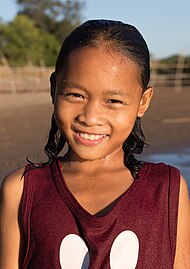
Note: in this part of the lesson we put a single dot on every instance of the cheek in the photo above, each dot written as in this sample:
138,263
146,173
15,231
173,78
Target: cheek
124,125
58,114
61,117
61,110
125,120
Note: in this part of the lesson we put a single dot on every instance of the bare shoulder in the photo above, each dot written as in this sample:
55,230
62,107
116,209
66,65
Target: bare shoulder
183,184
11,238
182,257
12,187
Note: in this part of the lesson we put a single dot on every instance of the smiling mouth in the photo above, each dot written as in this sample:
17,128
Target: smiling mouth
91,137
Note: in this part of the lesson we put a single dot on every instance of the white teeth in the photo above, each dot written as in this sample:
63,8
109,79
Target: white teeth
85,136
91,137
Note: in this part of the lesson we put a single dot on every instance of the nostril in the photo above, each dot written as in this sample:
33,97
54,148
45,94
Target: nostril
81,122
90,119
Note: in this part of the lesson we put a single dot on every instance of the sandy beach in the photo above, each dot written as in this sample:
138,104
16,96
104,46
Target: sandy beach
25,121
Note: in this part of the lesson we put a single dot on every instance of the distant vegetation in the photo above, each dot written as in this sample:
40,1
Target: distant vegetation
173,64
34,36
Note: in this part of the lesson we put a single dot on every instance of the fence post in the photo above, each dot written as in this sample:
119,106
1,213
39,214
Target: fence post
10,74
154,72
178,83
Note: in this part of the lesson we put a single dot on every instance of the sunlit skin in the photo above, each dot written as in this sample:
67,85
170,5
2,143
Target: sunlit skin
99,95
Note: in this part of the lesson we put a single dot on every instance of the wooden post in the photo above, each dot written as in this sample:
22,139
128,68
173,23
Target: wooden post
178,84
10,74
154,71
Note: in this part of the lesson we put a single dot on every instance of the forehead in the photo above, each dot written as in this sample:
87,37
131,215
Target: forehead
100,68
102,58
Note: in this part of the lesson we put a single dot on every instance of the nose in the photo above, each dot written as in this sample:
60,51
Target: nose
91,114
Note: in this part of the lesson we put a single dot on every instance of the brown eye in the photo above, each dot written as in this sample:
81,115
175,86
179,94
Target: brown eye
115,101
74,95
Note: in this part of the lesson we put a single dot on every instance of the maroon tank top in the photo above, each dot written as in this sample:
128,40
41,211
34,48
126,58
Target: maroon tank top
139,231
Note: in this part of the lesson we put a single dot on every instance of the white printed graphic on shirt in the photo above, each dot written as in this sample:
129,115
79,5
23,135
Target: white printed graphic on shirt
73,253
124,252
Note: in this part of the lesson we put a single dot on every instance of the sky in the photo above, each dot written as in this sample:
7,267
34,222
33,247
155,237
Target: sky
165,24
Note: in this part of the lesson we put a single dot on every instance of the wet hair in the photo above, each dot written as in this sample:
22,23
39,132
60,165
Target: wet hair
118,37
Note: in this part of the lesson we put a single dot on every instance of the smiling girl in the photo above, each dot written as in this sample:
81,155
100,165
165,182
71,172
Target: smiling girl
97,206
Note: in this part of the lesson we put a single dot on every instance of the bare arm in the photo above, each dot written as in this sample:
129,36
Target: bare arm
10,234
182,257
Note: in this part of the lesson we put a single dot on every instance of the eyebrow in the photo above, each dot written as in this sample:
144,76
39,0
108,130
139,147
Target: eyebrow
72,85
115,92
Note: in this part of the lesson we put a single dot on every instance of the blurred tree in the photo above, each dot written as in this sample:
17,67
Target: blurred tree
54,16
173,59
23,43
187,59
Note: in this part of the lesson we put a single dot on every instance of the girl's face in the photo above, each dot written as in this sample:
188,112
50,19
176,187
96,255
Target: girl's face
97,102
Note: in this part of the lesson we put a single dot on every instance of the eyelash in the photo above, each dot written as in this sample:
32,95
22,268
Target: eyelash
115,101
79,96
74,95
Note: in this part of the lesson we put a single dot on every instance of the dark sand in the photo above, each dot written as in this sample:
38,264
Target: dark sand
25,120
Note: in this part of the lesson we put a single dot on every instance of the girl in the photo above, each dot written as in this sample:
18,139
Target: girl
97,206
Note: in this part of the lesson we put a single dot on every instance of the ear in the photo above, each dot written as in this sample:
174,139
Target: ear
53,86
145,101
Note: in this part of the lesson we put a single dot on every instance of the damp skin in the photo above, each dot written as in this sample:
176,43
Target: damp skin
97,102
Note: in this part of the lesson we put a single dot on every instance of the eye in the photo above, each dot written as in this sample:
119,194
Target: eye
74,95
116,101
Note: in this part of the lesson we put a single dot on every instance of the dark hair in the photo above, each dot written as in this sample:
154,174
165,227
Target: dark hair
124,39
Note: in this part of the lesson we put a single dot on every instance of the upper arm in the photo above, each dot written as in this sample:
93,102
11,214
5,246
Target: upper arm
10,232
182,256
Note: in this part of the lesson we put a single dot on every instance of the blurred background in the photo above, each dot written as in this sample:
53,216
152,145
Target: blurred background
31,33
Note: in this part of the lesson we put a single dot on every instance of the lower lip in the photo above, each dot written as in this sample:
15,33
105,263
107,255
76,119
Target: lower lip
87,142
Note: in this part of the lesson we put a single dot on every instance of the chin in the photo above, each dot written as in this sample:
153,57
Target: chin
85,158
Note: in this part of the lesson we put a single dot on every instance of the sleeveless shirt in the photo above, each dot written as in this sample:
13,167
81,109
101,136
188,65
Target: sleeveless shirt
138,232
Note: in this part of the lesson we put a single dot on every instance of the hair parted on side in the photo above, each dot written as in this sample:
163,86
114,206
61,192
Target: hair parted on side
124,39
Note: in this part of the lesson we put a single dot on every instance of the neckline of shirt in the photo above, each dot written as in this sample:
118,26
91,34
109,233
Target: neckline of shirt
82,213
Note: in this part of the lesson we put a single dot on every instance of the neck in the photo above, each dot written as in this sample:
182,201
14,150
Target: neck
112,161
